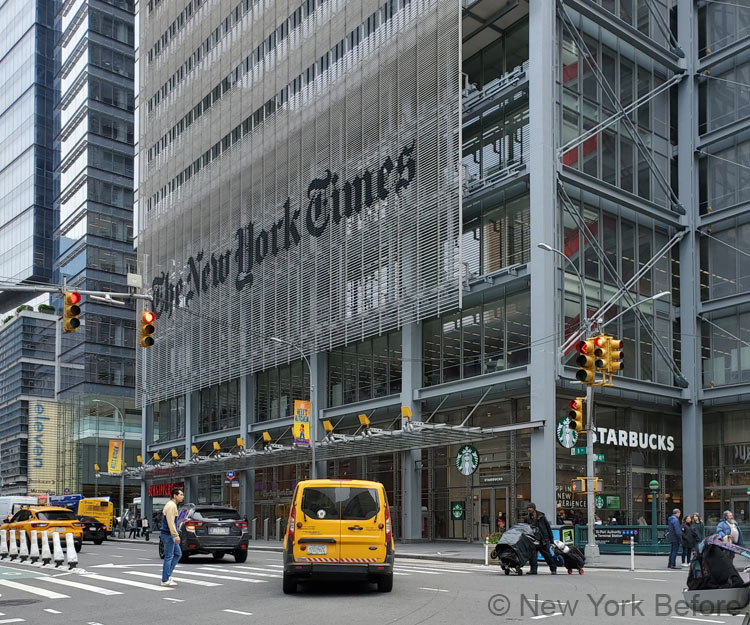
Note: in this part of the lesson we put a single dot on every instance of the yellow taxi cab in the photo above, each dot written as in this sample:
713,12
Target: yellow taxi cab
49,519
339,528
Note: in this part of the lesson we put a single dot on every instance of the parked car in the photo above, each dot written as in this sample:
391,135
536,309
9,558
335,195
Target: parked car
47,518
340,529
217,530
93,529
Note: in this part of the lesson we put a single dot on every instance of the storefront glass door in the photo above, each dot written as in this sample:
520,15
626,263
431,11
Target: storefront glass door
490,510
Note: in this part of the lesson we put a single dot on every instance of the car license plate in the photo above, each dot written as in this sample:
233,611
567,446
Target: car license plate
218,530
61,529
317,550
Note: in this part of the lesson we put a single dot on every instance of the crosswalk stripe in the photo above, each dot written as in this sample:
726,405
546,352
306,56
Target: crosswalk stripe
126,582
236,579
432,567
422,568
51,611
49,594
72,584
239,572
399,568
404,574
258,568
12,620
196,582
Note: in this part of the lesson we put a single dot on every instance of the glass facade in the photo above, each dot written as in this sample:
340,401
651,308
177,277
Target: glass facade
615,221
94,201
27,38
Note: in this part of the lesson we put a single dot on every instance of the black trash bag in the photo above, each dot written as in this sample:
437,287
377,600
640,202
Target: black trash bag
517,545
713,567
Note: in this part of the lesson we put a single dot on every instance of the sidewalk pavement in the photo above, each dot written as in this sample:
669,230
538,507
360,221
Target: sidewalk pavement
457,551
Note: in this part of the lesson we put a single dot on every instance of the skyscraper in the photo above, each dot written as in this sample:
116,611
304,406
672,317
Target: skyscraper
93,216
26,144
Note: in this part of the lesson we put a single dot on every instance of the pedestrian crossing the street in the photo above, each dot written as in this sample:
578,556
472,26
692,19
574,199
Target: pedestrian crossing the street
57,586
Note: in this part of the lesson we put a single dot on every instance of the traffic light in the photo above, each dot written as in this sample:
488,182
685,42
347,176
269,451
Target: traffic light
615,355
71,310
578,485
576,414
601,352
586,374
147,328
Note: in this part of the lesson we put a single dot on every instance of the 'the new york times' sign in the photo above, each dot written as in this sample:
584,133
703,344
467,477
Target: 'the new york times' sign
335,219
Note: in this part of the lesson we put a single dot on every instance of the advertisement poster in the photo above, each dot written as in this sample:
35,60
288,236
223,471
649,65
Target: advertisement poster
301,427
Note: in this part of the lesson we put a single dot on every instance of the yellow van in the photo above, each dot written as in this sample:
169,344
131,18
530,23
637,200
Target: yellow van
101,509
339,528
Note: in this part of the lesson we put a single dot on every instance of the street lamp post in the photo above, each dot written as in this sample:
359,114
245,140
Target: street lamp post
313,405
592,549
122,464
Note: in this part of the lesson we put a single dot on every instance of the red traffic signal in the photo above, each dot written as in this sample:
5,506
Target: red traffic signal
147,328
71,310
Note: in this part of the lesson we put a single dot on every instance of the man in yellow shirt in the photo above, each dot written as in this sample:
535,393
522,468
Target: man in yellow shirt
170,537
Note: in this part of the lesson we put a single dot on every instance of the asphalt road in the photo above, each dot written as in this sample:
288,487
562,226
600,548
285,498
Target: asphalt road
118,584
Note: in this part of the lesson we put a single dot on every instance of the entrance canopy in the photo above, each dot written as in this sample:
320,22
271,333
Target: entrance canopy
333,447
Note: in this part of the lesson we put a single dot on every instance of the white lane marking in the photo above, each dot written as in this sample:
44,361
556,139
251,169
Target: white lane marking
195,582
422,569
238,612
49,594
147,559
649,579
404,574
126,582
257,568
236,579
536,618
121,566
51,611
173,599
129,549
239,572
702,620
435,589
406,570
72,584
12,620
116,556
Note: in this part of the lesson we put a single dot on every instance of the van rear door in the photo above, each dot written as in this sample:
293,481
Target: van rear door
362,515
319,515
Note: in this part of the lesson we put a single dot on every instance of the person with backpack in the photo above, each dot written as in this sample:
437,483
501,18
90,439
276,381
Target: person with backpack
689,540
675,537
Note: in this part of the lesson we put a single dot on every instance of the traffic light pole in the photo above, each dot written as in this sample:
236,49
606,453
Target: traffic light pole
592,549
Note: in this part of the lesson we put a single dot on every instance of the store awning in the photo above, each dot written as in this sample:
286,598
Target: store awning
333,447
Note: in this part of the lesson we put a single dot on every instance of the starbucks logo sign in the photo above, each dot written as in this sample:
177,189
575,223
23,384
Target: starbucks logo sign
565,436
467,459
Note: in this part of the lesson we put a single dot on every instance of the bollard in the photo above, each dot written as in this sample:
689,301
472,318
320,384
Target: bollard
265,528
13,547
57,552
46,554
34,550
632,554
486,552
71,549
23,550
3,544
278,528
254,532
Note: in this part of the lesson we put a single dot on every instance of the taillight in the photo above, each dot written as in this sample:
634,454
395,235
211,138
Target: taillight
37,524
387,524
78,525
291,524
241,524
193,525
